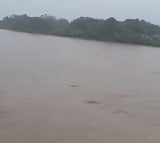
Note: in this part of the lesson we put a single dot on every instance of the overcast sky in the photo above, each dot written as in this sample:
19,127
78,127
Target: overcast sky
70,9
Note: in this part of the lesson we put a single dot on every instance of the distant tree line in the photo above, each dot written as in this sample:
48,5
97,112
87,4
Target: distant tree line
133,31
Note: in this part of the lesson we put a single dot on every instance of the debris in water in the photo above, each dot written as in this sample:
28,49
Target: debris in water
93,102
73,85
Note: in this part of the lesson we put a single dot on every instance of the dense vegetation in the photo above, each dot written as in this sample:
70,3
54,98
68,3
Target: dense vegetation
129,31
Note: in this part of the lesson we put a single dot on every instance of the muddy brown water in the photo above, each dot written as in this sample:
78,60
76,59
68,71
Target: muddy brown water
64,90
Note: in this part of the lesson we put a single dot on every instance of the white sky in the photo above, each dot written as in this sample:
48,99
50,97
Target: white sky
71,9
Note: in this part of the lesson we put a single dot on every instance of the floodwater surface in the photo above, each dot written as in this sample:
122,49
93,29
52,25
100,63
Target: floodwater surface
64,90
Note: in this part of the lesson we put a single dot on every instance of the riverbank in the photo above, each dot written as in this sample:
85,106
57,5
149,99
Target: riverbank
78,38
133,31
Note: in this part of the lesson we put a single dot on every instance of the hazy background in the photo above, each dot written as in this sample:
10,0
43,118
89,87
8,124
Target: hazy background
71,9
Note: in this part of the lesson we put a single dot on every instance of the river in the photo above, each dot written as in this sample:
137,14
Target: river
64,90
